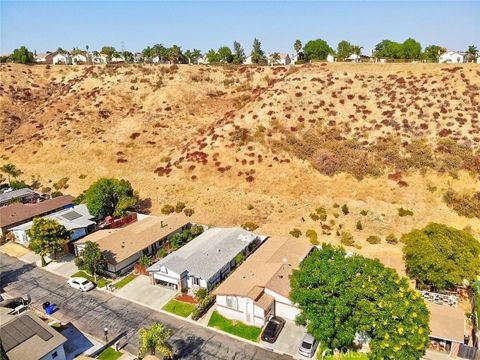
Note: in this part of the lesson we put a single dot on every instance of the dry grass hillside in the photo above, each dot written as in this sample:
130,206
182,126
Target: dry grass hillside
262,144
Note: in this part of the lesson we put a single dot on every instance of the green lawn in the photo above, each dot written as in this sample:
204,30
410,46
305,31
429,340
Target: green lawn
351,355
101,281
124,281
109,354
178,307
234,327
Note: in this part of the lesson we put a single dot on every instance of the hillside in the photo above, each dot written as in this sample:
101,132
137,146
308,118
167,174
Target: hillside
261,144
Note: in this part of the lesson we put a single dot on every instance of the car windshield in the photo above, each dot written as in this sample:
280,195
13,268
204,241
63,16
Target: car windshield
306,345
271,328
85,282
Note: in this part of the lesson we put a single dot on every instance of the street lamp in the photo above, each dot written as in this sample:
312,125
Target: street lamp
105,332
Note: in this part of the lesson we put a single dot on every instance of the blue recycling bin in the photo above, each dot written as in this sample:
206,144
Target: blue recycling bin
50,309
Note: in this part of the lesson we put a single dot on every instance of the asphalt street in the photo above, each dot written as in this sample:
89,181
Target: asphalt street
93,311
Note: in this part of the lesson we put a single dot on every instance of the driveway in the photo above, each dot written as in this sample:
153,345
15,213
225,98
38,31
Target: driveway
93,311
64,266
141,291
289,339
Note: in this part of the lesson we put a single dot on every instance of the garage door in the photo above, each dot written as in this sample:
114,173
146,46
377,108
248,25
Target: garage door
286,311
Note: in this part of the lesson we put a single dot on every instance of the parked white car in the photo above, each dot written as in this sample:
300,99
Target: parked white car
308,347
80,283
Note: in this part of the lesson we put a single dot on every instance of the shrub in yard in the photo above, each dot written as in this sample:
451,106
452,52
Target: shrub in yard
322,213
345,209
373,239
201,294
179,207
167,209
145,260
79,262
196,230
161,253
203,307
312,235
239,259
56,194
404,212
251,226
188,212
296,233
346,238
359,225
391,239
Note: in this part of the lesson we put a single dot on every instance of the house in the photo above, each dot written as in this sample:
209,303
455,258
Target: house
117,59
138,57
447,327
76,219
331,58
260,287
451,57
124,246
284,59
203,60
206,260
248,60
79,59
21,195
17,214
62,59
46,58
27,337
478,60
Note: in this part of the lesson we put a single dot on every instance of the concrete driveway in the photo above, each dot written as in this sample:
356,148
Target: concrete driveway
289,339
141,291
64,266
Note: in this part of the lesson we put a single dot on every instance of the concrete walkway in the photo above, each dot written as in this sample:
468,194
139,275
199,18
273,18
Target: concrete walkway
141,291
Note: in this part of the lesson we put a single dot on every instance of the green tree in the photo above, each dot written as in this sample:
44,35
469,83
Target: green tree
128,56
174,54
432,52
411,49
317,50
94,259
341,296
440,256
238,53
258,56
22,56
109,197
297,46
11,170
153,341
274,58
472,52
212,57
108,51
48,237
225,55
344,50
388,49
196,53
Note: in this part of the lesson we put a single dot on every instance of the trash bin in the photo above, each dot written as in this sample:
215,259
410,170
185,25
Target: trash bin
45,305
50,309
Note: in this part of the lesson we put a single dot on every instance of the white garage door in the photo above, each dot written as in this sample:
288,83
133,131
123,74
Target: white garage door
286,311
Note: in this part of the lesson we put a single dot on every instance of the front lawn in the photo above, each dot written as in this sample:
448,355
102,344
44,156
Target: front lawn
179,308
234,327
124,281
350,355
101,281
109,354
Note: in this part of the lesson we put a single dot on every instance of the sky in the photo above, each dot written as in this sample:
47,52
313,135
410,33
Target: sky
133,25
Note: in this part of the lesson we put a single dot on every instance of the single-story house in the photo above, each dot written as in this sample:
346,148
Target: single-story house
21,195
27,337
76,219
46,58
124,246
284,59
206,260
260,287
117,59
451,57
62,59
17,214
331,58
79,59
447,327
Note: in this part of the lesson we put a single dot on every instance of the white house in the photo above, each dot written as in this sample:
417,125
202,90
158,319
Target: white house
206,260
260,287
62,59
117,59
79,59
76,219
203,60
478,60
451,57
331,58
284,59
248,60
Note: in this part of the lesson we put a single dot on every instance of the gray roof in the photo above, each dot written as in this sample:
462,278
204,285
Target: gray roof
204,256
15,194
72,218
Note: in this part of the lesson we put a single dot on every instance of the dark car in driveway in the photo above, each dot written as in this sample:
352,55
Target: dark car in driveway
273,328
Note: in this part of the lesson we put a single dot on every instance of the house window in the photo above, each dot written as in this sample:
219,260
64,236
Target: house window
196,281
54,355
232,302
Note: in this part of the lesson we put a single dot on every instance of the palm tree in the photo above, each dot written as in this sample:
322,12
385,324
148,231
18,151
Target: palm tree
153,341
472,52
275,58
196,55
11,170
297,46
357,50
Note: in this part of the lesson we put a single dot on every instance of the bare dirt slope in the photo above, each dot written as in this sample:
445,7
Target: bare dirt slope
261,144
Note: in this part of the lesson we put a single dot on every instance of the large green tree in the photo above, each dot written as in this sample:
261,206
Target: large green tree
432,52
258,56
344,49
11,170
225,55
212,57
48,237
440,256
317,50
411,49
110,197
108,51
342,296
153,341
94,259
297,46
238,53
22,56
